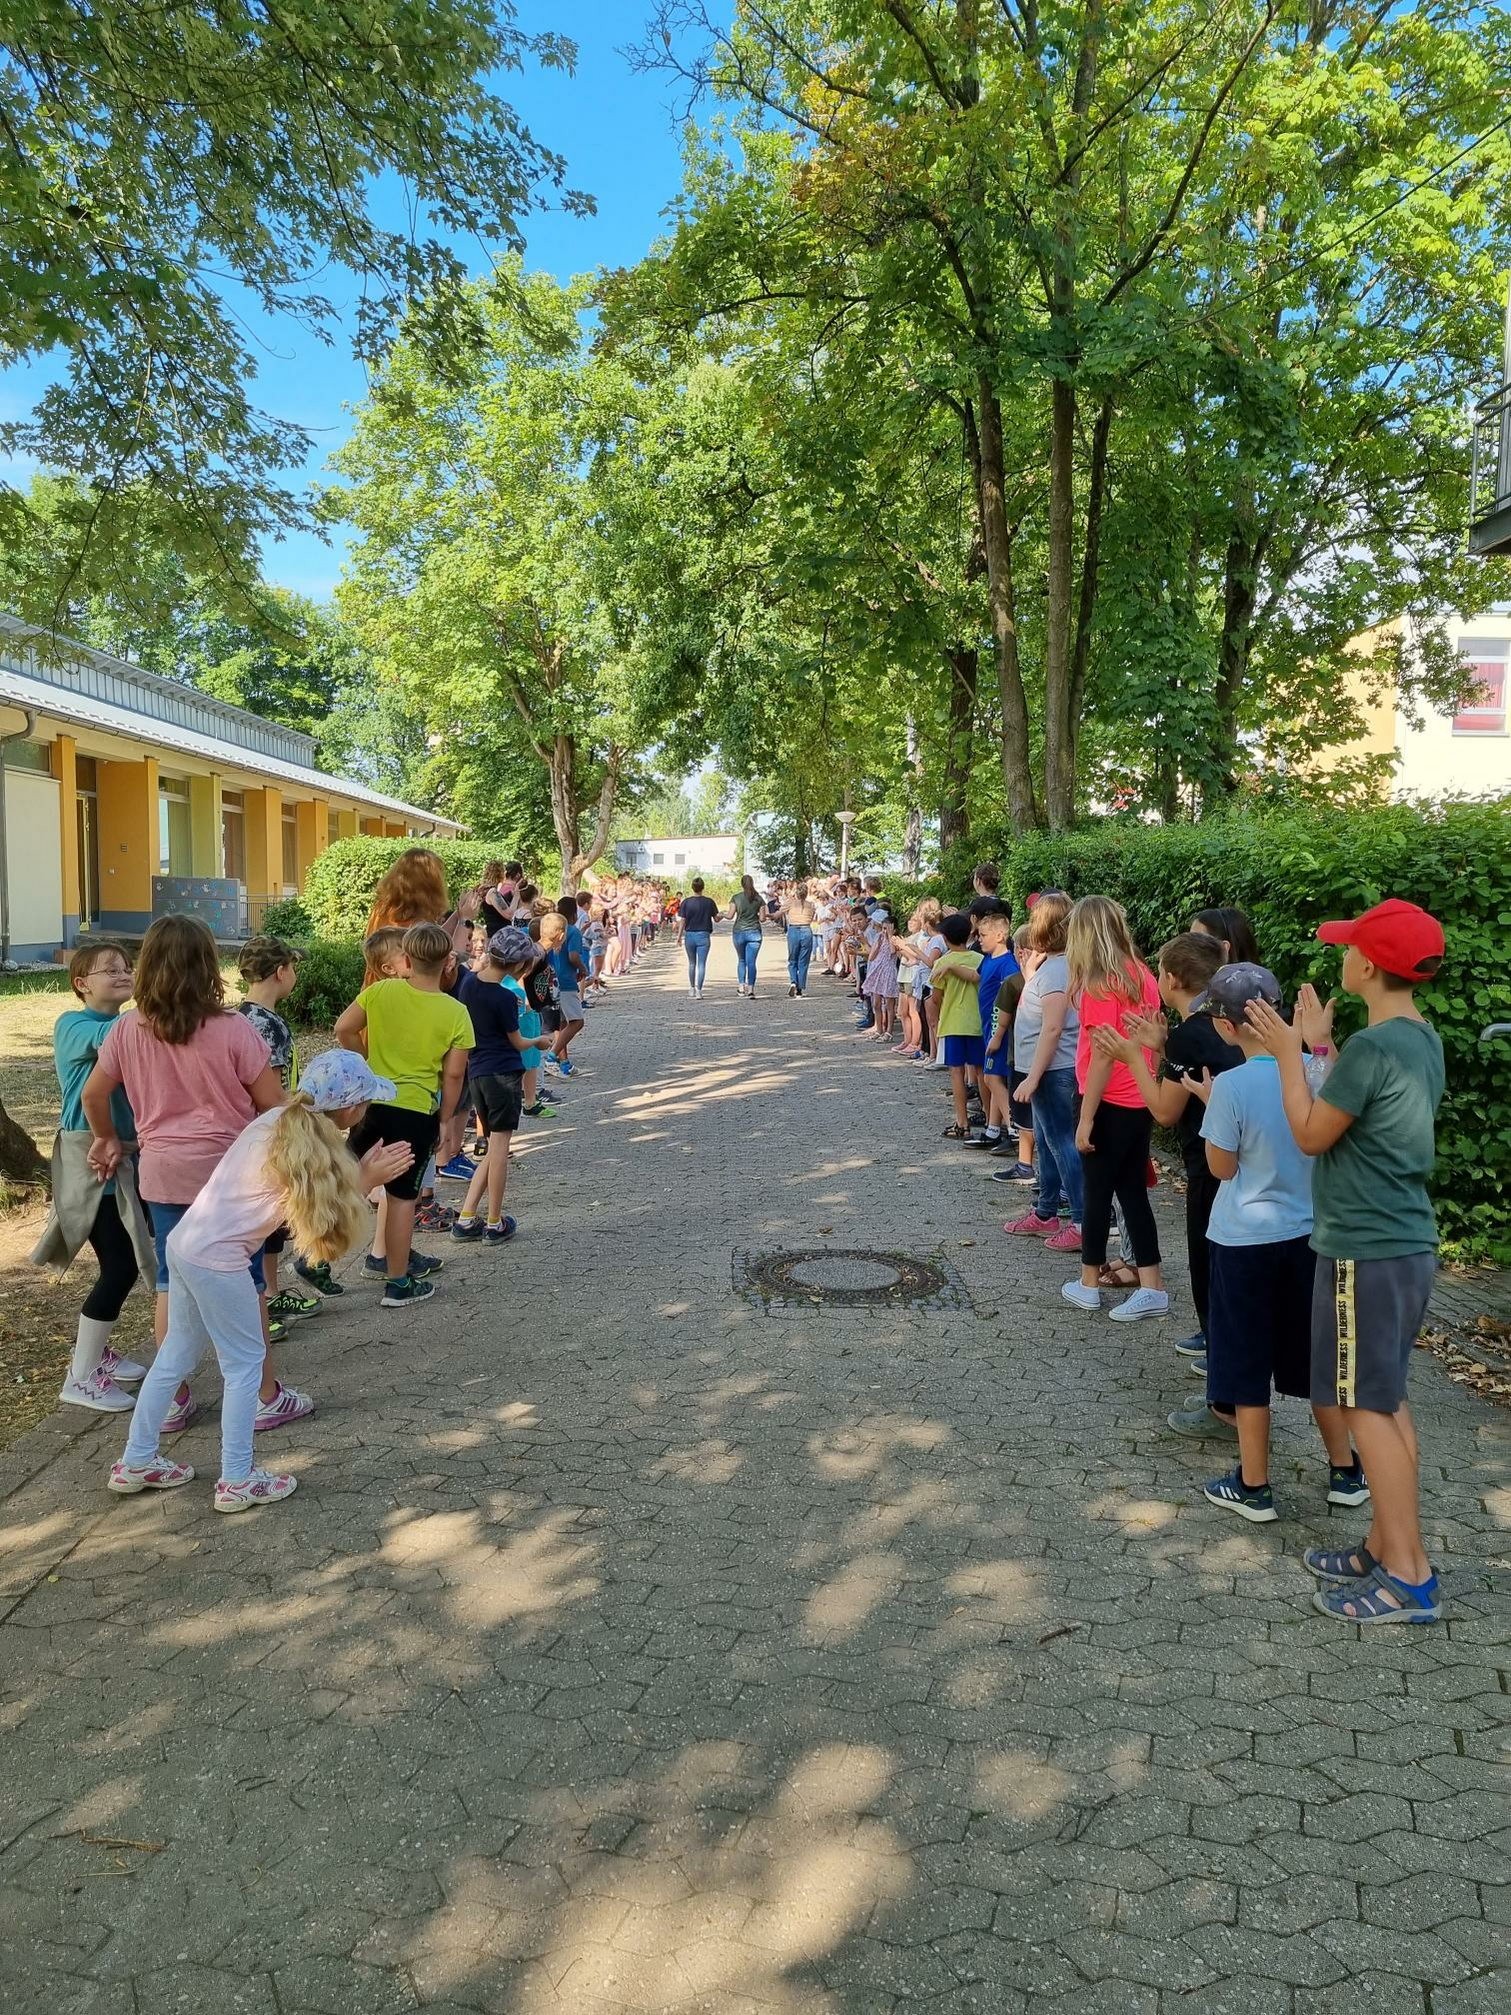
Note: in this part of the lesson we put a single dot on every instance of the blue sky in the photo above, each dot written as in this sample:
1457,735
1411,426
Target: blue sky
619,135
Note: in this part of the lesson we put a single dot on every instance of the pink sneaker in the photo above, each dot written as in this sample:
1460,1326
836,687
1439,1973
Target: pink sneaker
259,1486
286,1405
1067,1239
181,1414
126,1479
1031,1226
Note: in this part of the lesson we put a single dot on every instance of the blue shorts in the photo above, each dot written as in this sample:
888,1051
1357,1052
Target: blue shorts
964,1049
1259,1324
164,1216
999,1063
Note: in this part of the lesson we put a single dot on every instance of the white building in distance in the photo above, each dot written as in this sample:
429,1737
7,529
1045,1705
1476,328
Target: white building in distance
679,857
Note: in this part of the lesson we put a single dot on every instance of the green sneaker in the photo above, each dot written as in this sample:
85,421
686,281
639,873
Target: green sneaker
318,1275
290,1307
400,1293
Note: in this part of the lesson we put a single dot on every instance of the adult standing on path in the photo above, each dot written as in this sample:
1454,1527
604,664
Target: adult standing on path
698,914
797,914
746,912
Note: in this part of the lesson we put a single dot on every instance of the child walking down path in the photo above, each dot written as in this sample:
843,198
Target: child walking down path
289,1166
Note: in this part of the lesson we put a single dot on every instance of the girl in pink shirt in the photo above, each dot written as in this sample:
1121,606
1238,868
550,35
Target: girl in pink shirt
1109,982
195,1073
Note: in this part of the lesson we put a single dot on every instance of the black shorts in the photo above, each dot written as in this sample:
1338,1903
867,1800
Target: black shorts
1260,1320
278,1241
396,1122
1366,1314
551,1019
1022,1115
498,1100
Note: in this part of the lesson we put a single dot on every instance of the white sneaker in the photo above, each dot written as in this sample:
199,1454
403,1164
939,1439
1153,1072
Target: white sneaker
99,1392
938,1064
260,1486
1081,1297
285,1406
124,1370
1142,1303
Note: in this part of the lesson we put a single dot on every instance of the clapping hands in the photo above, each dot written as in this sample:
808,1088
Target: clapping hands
1281,1038
384,1161
1314,1018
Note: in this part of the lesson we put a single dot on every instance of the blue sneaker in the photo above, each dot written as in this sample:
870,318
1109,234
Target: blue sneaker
1192,1346
420,1263
1233,1494
461,1168
505,1228
1347,1486
465,1233
566,1066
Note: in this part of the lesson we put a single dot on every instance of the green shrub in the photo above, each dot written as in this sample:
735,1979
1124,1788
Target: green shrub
1289,872
288,919
330,978
339,888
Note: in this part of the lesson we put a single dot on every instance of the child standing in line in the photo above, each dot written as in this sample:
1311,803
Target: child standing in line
269,971
999,966
110,1220
1262,1263
418,1036
1193,1055
1045,1033
954,977
537,985
289,1166
496,1073
195,1074
881,982
1109,982
569,960
1371,1131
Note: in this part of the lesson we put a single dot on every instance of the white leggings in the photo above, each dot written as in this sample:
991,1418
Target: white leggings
205,1308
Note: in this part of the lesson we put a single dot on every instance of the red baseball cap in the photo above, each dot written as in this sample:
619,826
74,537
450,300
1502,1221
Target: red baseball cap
1394,935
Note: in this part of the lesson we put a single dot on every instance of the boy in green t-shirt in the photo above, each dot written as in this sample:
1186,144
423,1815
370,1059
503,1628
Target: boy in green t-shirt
953,977
413,1032
1370,1127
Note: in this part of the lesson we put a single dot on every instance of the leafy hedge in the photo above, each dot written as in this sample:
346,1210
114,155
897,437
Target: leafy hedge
330,978
1291,871
338,890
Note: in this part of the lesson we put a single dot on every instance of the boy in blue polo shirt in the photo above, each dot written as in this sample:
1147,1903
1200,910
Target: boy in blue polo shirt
1262,1263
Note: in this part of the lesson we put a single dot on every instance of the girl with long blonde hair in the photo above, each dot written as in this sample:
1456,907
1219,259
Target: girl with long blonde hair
290,1166
1109,984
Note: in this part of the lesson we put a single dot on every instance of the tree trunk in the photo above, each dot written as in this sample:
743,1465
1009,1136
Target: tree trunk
912,836
1059,750
964,663
608,793
19,1159
566,812
996,537
1239,593
1091,547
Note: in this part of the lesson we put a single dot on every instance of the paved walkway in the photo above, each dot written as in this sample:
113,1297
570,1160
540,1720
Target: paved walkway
634,1643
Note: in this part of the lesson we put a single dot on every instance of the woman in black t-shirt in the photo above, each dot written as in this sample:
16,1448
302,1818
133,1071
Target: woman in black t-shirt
697,915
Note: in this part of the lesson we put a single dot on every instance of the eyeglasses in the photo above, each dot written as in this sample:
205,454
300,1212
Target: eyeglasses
113,972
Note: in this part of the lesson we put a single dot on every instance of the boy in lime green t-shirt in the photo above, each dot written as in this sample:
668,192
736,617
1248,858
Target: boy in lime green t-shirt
417,1036
953,978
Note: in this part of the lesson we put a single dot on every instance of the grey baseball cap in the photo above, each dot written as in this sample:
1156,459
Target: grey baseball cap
1231,988
512,947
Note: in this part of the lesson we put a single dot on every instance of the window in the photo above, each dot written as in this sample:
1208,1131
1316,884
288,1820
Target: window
290,848
175,847
28,756
1484,713
332,828
679,860
658,860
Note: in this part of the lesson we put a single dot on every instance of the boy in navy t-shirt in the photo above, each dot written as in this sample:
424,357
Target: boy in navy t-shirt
994,929
496,1077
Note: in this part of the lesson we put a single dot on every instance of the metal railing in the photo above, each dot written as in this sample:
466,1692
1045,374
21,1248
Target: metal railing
1490,469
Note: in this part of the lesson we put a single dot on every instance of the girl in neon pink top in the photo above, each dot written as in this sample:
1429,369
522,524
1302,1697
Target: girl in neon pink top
1109,982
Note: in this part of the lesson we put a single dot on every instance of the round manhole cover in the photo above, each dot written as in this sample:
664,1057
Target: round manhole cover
838,1275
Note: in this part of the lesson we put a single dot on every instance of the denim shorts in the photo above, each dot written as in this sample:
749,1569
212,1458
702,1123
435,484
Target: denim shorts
164,1216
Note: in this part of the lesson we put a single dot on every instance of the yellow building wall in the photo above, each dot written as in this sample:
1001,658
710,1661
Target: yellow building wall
264,828
206,853
128,842
313,830
64,757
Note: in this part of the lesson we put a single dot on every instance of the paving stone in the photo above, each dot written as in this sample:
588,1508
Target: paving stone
717,1661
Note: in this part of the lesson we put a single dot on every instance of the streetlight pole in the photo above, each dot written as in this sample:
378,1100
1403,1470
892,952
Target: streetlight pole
846,820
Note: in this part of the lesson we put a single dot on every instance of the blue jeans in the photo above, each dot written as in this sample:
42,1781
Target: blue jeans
799,952
696,944
1055,1153
747,944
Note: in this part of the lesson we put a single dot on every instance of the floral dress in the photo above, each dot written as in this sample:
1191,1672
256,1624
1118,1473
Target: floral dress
881,970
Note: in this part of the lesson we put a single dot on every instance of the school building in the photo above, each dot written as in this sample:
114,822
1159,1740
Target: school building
125,796
1467,753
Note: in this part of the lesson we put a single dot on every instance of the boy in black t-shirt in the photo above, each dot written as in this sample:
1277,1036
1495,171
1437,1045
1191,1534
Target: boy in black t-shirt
495,1077
1192,1055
